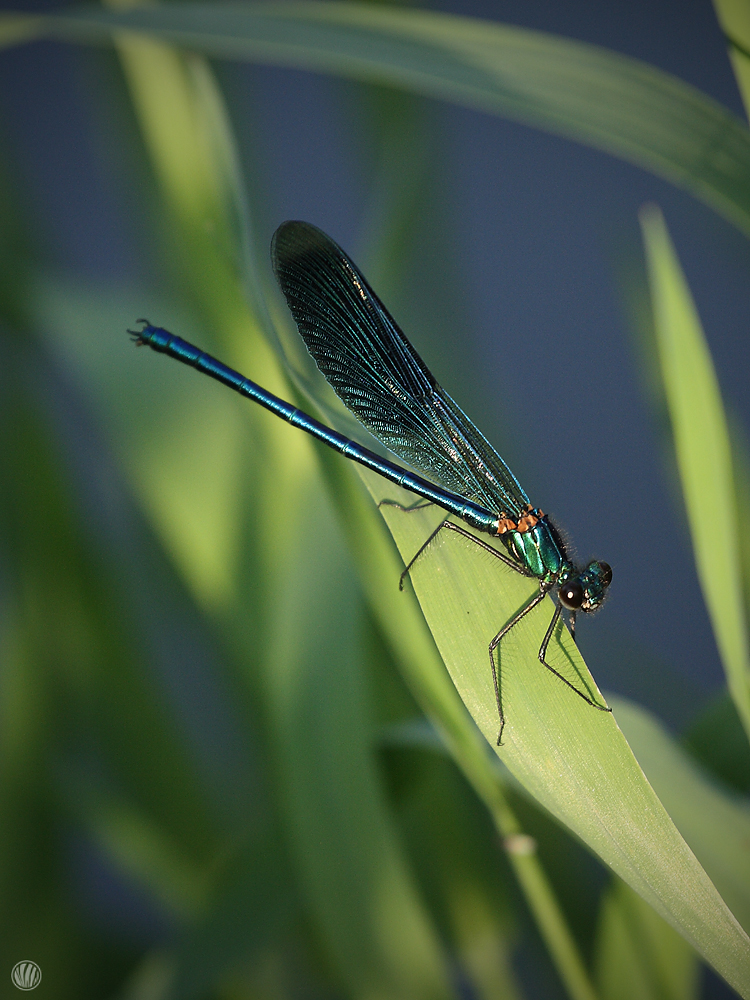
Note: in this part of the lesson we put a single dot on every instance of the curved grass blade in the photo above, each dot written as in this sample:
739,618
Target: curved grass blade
572,759
429,682
714,822
589,94
704,455
15,29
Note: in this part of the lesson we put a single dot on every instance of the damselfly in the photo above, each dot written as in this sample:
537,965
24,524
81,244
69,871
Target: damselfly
379,376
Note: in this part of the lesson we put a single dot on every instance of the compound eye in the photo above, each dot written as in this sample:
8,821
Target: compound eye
570,595
605,571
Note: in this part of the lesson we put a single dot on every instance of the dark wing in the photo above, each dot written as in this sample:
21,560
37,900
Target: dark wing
379,376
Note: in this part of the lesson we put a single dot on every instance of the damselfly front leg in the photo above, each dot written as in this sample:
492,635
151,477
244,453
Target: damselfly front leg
495,644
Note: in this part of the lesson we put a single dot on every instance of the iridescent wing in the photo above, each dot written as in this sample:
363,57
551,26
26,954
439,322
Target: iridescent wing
378,375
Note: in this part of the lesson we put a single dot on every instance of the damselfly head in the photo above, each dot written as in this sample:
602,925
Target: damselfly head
586,591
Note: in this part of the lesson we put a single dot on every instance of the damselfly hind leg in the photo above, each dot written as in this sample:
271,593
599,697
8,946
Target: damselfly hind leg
410,510
450,526
420,550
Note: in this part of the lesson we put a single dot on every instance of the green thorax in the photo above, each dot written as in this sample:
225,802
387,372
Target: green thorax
540,550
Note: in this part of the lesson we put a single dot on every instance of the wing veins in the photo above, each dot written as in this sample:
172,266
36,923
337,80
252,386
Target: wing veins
379,376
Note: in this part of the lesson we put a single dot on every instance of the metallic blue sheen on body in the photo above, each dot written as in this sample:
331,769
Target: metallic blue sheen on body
537,549
167,343
380,378
594,579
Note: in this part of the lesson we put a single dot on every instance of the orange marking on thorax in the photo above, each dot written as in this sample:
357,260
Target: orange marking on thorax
529,517
505,524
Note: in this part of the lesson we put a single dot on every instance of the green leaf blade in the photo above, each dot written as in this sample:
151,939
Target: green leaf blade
714,822
570,757
601,98
704,454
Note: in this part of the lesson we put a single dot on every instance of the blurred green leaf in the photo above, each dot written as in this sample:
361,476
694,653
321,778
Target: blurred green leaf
460,867
717,739
137,846
734,17
606,100
741,468
252,904
75,687
344,845
638,954
152,978
18,28
189,143
704,456
359,895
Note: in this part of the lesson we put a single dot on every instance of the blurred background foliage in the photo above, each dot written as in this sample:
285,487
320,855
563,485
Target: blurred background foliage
216,779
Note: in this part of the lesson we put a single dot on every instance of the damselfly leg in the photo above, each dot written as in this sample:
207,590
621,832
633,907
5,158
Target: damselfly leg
494,646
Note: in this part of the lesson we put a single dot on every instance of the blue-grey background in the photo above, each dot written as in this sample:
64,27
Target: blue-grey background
529,246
